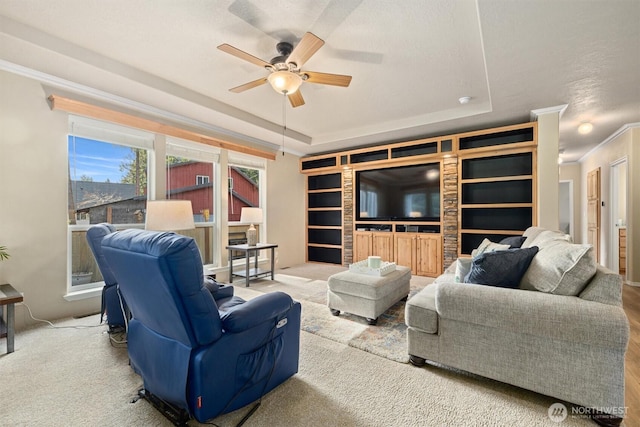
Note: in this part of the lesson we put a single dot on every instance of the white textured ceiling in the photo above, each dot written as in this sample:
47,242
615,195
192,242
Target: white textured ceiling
410,60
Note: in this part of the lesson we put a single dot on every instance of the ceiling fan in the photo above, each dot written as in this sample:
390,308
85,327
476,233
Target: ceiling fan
285,74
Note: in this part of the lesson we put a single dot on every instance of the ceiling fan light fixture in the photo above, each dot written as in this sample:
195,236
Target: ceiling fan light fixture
285,82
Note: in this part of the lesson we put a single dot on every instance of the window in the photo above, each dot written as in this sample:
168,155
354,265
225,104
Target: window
368,201
246,180
108,182
202,179
186,163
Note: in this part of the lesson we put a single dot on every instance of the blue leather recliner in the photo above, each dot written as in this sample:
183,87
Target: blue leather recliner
112,303
204,357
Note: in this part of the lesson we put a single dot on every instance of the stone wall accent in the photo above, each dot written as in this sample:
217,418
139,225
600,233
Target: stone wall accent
347,217
450,206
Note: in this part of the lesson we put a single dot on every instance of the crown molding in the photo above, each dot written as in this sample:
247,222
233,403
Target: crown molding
611,137
559,109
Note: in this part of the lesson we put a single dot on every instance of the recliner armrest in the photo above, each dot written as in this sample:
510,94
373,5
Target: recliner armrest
263,308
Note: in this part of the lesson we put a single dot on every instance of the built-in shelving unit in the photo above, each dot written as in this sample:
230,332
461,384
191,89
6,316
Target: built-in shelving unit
489,182
324,218
496,185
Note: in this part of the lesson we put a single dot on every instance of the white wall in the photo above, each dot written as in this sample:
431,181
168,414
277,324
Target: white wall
33,203
286,209
548,142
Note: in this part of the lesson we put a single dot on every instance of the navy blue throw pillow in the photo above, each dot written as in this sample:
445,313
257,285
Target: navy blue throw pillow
513,241
503,269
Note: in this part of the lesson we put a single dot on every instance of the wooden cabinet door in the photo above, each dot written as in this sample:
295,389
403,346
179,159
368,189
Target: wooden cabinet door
382,245
405,250
361,246
428,255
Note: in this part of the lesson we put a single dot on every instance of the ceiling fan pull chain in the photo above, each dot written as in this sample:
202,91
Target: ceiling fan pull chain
284,118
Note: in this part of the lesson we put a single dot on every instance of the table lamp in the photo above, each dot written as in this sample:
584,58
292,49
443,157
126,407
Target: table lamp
251,216
169,215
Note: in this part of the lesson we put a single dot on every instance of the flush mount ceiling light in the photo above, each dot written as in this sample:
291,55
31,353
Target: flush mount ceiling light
585,128
464,99
285,82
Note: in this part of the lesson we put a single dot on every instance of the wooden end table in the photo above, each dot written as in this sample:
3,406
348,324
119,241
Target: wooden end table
9,297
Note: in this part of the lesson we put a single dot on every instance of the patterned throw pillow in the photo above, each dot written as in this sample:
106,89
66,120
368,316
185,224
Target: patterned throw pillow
488,246
463,266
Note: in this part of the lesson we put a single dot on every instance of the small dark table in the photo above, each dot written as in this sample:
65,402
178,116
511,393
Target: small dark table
251,273
9,297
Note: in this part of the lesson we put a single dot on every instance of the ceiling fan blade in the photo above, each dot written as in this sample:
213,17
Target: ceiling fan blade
249,85
296,99
328,79
243,55
309,45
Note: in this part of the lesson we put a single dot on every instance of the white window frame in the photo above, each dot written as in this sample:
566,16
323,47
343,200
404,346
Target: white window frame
202,179
252,162
84,127
202,153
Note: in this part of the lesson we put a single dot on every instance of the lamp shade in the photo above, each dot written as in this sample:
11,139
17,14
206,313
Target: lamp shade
284,81
169,215
251,215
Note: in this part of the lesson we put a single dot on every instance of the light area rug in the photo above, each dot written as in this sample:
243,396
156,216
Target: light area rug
75,377
386,339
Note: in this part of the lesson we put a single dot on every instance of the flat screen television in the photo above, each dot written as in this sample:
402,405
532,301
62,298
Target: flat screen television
405,193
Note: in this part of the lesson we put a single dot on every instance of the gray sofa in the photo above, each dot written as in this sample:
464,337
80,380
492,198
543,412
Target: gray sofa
562,332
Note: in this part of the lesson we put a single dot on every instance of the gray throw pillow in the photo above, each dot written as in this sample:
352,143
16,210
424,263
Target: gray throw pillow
503,269
514,242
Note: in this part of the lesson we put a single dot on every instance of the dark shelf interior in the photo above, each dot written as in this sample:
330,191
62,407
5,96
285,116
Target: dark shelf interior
470,241
497,138
370,156
496,218
324,237
325,218
417,228
332,199
318,163
498,166
324,182
414,150
373,227
514,191
328,255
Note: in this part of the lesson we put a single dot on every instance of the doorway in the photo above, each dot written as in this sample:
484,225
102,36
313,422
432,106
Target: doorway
618,223
566,207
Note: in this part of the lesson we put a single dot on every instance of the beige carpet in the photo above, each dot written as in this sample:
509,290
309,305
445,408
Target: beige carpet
75,377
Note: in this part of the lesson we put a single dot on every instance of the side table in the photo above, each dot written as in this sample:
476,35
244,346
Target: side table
251,273
9,297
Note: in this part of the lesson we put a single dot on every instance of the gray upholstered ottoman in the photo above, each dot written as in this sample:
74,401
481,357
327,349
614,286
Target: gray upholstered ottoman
367,296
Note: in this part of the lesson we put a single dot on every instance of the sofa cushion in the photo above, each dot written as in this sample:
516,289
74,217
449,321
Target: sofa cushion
420,311
503,269
514,242
560,268
535,236
540,314
605,287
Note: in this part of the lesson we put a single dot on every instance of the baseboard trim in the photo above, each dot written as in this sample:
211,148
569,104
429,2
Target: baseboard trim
630,283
